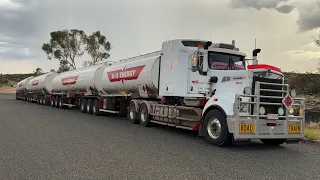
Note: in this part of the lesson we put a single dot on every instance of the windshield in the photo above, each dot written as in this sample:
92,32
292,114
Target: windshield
222,61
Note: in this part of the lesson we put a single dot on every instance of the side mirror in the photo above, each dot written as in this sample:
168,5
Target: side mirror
199,63
194,63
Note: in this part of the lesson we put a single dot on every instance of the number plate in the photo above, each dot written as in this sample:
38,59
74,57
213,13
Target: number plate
246,128
294,128
273,116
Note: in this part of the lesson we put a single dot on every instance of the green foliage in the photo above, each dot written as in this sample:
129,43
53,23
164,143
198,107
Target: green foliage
305,84
38,71
65,46
63,67
12,79
97,47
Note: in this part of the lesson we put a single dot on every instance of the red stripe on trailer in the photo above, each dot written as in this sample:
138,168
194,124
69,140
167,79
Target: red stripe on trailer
131,73
69,80
264,66
35,83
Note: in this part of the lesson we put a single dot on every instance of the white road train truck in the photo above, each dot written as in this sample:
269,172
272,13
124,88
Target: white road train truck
191,84
21,89
40,87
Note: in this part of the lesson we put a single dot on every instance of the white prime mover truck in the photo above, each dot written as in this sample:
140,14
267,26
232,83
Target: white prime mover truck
190,84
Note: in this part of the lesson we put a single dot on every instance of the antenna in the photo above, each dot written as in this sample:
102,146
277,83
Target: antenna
255,43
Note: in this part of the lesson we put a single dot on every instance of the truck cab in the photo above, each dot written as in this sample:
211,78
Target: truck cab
242,101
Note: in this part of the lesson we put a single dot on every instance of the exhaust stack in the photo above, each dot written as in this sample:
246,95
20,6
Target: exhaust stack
255,54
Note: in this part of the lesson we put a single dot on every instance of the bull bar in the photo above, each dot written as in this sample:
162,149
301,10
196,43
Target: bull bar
266,128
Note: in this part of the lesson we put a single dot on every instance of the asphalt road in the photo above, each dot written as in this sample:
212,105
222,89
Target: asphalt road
41,142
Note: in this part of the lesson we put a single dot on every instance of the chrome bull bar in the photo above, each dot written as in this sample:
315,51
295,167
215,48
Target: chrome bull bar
260,127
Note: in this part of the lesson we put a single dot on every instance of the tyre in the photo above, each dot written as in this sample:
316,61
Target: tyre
95,108
56,102
52,101
273,142
144,116
216,129
44,102
38,99
132,114
61,102
89,106
83,105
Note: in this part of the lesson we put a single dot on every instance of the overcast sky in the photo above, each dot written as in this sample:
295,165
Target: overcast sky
283,28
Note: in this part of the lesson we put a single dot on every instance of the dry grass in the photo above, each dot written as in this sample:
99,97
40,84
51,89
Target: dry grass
312,130
6,89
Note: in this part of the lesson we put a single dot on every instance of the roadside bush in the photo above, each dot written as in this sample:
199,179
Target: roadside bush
306,84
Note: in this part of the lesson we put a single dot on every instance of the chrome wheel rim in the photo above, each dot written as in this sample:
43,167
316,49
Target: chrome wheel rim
214,128
82,106
131,112
88,108
143,115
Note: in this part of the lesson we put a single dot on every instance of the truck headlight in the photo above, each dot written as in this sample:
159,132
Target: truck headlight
293,93
244,108
281,111
291,110
262,110
247,90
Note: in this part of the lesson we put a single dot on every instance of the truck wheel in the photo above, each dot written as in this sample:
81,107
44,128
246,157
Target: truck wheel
61,103
89,106
216,128
44,102
132,114
95,108
52,101
144,115
56,102
40,100
83,105
273,142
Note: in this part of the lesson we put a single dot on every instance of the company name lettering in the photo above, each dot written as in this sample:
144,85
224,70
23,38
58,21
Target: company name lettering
69,80
35,83
123,74
131,73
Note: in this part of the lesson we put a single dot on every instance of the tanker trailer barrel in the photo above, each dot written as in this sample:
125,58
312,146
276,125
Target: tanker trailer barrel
76,87
40,87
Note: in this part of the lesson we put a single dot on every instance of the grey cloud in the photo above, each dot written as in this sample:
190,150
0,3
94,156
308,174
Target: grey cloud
11,52
285,9
20,27
309,14
256,4
309,18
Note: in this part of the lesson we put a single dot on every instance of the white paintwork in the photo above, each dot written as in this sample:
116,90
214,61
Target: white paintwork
41,82
148,76
22,85
86,77
226,91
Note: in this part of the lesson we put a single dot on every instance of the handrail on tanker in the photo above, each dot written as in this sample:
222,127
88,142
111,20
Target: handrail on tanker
155,53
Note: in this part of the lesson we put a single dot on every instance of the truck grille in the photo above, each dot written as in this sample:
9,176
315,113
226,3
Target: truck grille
270,109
